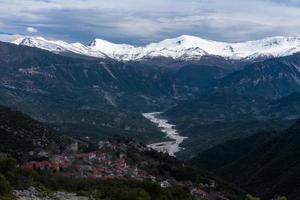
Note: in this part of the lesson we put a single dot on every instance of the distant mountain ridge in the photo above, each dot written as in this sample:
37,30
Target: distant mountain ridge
184,48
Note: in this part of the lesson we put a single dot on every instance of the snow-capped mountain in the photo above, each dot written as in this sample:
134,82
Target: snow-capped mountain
183,48
57,46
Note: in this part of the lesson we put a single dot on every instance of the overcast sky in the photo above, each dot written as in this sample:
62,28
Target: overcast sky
142,21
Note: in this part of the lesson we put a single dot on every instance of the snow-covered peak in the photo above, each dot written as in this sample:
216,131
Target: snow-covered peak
272,46
57,46
103,44
184,47
42,43
184,41
116,51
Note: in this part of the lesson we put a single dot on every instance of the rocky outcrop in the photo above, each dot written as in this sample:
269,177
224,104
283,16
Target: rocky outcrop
33,194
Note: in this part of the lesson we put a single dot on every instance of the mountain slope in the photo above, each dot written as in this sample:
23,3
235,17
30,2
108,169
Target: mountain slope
204,136
221,155
278,166
287,107
272,78
225,104
19,133
58,46
222,115
269,165
60,90
217,105
184,47
13,56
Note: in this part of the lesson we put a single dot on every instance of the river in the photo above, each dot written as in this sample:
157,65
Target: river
171,146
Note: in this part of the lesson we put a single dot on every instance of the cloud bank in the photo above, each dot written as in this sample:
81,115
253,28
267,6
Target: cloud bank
142,21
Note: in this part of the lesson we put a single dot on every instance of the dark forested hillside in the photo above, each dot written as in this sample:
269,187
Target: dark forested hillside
19,133
274,78
218,105
221,155
206,136
287,107
265,164
272,168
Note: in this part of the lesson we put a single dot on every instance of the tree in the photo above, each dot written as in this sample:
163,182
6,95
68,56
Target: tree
282,198
4,186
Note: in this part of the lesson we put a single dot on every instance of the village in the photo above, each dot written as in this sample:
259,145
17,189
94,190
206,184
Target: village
110,160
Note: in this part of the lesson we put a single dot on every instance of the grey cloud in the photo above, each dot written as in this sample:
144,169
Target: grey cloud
142,21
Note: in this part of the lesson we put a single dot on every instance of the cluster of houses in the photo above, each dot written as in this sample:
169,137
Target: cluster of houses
110,160
105,163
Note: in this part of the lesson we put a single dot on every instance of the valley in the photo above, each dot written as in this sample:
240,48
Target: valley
111,168
207,103
149,100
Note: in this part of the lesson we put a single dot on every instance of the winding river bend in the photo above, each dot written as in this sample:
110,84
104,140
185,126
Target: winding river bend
174,139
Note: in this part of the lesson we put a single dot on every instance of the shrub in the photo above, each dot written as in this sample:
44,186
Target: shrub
7,164
250,197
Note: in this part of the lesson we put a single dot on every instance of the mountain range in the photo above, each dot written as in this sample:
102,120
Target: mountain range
103,97
184,48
